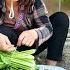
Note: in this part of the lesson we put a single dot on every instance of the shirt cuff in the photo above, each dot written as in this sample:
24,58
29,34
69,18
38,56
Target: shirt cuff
43,34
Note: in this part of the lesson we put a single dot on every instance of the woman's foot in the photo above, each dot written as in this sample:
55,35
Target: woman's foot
51,62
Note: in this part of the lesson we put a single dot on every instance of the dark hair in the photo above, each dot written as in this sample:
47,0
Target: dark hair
27,4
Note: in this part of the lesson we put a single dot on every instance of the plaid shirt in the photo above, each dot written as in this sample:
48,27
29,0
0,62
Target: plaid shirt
39,21
40,15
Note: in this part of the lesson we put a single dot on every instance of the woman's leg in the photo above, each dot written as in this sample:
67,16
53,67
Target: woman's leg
60,23
8,31
55,44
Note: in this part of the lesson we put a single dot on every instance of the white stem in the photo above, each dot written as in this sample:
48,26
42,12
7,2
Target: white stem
11,15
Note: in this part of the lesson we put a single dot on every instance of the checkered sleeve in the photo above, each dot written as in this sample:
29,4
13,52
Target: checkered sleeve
44,29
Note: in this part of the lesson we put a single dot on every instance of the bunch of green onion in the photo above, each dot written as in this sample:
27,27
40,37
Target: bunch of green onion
17,60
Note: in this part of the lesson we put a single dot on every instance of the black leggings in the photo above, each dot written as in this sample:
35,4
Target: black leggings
55,44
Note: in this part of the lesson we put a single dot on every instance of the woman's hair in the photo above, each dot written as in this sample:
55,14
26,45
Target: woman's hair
27,4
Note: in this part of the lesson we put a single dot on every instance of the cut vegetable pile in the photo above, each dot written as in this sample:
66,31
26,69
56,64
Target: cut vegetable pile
17,60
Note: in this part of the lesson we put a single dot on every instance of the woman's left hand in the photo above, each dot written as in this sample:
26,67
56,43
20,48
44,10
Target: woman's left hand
27,38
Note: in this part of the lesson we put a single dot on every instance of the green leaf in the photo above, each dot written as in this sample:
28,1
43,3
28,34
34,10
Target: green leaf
2,65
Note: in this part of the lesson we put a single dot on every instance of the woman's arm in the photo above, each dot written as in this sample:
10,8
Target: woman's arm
40,34
44,29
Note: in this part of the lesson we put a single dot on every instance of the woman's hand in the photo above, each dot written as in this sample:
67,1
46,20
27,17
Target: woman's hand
27,38
5,44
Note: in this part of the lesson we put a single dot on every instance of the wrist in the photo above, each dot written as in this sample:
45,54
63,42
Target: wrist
35,34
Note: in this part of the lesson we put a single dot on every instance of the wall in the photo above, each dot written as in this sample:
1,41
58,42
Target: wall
53,6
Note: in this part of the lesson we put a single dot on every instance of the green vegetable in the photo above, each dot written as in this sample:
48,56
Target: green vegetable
23,64
29,51
18,60
2,65
22,55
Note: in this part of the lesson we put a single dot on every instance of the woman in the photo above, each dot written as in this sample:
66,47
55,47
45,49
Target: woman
25,24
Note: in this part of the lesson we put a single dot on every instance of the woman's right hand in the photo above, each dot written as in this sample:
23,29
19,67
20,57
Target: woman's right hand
5,44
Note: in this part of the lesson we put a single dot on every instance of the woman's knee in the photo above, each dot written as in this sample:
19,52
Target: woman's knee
59,19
